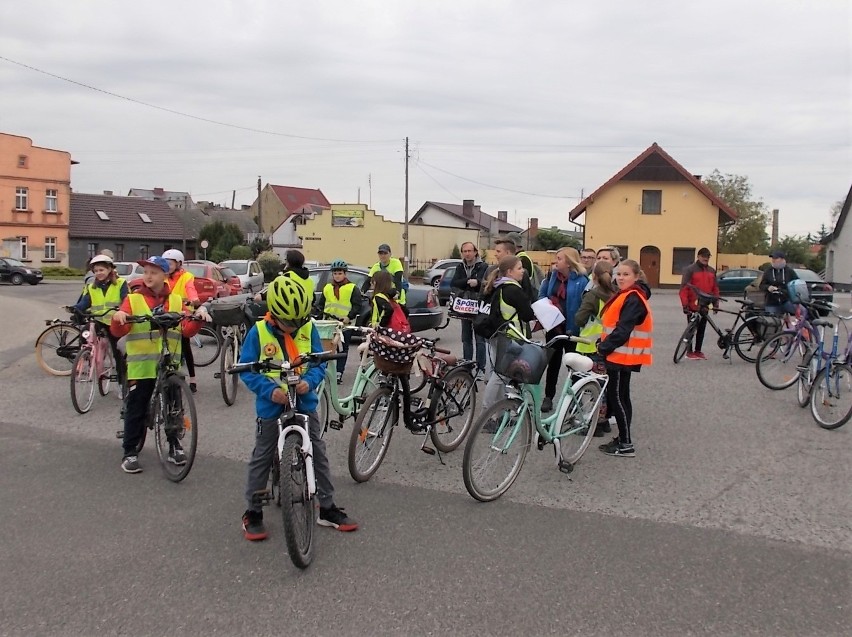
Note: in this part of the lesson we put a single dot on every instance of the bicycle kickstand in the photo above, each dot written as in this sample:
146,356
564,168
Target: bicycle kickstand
430,450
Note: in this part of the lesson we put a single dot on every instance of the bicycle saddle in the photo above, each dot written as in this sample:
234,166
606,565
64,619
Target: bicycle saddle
822,323
577,362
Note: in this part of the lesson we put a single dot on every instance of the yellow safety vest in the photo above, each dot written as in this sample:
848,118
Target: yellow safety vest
637,349
394,266
100,301
143,343
591,331
510,313
179,286
341,307
271,347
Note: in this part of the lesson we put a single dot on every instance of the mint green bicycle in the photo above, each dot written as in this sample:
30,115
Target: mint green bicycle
500,439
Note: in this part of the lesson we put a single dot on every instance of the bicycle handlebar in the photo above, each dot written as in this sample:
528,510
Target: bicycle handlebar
268,365
166,320
712,298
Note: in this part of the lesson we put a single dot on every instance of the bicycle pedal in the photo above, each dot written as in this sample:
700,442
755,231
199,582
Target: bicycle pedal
540,443
262,497
119,434
217,375
335,424
565,467
428,450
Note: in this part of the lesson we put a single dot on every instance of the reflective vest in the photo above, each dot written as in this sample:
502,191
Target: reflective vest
526,261
374,317
338,307
143,343
305,283
179,285
393,266
509,313
591,331
637,349
271,347
100,301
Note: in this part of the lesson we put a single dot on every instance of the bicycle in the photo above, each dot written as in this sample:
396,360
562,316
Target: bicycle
830,395
292,471
231,321
445,419
58,345
206,346
171,413
779,361
741,337
502,435
94,364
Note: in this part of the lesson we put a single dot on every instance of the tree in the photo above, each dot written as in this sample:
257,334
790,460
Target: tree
748,233
835,212
240,253
222,237
553,240
270,264
258,245
456,253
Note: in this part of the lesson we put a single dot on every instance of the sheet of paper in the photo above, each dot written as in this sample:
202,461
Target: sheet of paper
547,314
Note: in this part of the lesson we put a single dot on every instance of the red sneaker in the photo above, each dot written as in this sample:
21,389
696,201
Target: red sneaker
692,356
699,356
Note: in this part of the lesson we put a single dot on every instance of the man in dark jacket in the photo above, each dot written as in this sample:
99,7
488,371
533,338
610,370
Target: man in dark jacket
774,283
468,280
701,275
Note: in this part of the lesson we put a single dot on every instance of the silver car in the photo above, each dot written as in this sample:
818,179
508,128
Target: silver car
248,272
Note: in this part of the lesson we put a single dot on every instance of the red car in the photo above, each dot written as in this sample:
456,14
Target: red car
209,281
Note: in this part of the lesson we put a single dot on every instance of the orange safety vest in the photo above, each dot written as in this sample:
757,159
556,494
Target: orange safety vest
637,349
178,283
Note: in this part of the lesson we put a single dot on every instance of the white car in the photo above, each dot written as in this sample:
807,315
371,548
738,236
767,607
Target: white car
127,270
248,272
433,274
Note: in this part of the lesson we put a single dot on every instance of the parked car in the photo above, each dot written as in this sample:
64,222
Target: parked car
444,288
15,272
210,283
233,280
249,272
424,312
733,282
434,274
818,288
130,271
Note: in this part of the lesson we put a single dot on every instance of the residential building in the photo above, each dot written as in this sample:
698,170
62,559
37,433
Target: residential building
838,250
655,212
530,234
194,219
175,199
468,215
276,203
35,189
132,227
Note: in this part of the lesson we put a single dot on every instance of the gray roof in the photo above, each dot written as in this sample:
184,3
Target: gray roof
481,219
195,219
122,218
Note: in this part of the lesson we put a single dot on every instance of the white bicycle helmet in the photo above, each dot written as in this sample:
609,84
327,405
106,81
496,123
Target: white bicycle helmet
101,258
174,255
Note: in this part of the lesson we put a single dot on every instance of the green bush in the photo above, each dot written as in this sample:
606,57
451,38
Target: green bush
241,252
61,271
270,264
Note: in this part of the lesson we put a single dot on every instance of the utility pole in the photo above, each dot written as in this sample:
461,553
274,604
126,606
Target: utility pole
233,198
259,208
405,232
370,190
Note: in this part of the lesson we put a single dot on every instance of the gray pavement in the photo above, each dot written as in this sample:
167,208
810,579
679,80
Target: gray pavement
734,518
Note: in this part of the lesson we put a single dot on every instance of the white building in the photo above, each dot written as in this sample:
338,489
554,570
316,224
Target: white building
838,250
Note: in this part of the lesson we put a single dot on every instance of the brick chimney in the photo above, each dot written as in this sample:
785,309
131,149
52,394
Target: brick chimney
467,208
108,193
533,229
503,215
159,192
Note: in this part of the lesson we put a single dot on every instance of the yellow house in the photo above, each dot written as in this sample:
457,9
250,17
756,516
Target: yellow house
655,212
35,199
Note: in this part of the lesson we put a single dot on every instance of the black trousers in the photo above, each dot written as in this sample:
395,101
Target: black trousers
186,353
554,366
618,401
136,406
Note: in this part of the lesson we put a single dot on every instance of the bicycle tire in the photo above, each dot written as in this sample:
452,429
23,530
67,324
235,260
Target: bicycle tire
510,442
420,379
297,506
229,383
57,347
685,341
748,339
458,397
580,420
372,433
323,406
810,367
175,418
275,478
831,399
206,346
779,359
108,369
83,381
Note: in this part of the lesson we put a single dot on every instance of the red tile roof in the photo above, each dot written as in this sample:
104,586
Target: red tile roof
124,221
655,164
294,198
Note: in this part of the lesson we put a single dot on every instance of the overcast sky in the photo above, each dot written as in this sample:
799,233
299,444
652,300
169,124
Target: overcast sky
521,106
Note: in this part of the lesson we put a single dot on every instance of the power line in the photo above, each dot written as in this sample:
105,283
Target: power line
480,183
196,117
440,185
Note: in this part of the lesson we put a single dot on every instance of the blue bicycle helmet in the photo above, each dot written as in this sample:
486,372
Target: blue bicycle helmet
339,264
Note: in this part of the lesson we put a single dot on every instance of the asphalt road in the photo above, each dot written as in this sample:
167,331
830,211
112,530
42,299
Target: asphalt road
733,519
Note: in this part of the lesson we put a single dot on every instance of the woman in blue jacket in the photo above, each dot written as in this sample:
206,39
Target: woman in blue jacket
564,287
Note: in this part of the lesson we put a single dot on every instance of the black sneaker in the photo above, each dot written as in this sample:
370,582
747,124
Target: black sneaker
606,425
177,456
253,529
130,464
339,378
616,448
193,388
599,429
335,518
546,405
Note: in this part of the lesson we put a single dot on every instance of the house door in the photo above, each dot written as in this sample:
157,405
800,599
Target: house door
649,261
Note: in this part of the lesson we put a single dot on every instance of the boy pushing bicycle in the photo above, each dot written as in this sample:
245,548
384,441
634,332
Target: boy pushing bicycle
284,334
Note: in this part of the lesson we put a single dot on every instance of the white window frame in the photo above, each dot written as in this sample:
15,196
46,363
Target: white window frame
50,248
51,200
91,250
25,248
22,197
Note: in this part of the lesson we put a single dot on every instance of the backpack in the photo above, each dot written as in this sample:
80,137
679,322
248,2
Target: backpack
489,319
398,320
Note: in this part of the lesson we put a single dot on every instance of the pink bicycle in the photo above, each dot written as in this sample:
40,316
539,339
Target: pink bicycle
94,365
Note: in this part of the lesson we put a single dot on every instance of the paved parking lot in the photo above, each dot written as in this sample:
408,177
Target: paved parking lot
723,467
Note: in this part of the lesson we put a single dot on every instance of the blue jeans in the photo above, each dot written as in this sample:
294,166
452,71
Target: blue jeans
787,307
468,337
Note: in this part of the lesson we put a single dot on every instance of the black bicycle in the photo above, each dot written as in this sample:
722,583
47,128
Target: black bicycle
750,330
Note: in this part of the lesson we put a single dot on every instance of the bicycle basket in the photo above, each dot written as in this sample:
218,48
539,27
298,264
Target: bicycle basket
394,352
224,314
798,291
516,360
326,330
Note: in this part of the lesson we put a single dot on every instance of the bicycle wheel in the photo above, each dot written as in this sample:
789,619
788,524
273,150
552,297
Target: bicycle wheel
685,342
748,339
275,478
810,367
831,396
205,346
580,420
417,382
108,371
779,359
83,381
493,459
175,427
57,347
453,408
228,382
323,406
297,506
372,433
